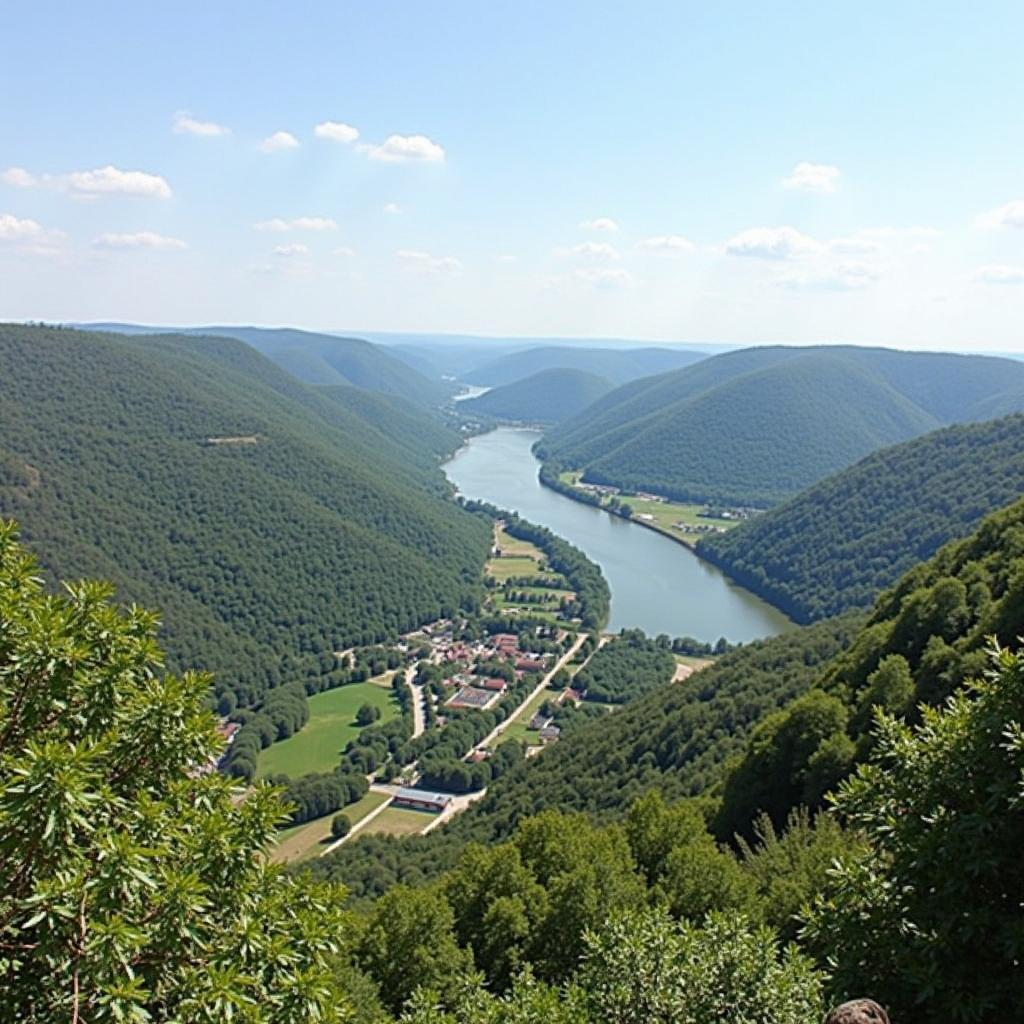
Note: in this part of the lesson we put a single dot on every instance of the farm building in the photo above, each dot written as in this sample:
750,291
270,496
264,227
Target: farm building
421,800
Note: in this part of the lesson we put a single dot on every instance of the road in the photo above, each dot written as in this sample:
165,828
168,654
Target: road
419,695
564,660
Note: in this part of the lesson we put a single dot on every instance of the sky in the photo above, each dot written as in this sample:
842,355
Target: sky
735,173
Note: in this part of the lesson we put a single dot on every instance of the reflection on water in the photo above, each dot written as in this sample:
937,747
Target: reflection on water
656,584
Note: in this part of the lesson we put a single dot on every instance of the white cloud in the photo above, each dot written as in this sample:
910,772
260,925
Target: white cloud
425,263
396,149
783,243
186,124
343,250
811,177
17,229
600,224
999,274
138,240
278,141
846,277
605,280
104,181
668,245
597,251
1010,215
293,249
392,208
279,224
900,234
336,131
18,177
854,245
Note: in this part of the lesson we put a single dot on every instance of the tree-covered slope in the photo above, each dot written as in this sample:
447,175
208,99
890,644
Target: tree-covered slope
271,522
759,425
545,397
618,365
323,359
839,543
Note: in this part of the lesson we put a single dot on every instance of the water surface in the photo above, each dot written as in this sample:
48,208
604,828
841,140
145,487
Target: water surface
656,583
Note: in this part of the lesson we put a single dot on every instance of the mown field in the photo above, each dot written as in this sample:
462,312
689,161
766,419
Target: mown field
310,839
332,723
397,821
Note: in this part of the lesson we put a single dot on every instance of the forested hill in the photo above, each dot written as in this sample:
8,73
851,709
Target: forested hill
325,359
271,522
759,425
839,543
545,397
618,365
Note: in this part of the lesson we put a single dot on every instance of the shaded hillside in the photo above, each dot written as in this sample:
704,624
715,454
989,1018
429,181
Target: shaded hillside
618,365
271,522
322,359
545,397
836,545
759,425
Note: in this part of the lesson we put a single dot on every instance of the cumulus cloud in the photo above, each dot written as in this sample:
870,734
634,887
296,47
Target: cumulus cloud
426,263
292,249
811,177
854,245
399,149
605,280
18,229
846,277
138,240
595,251
278,141
336,131
392,208
784,243
29,236
18,177
104,181
999,274
666,245
1010,215
280,225
185,124
600,224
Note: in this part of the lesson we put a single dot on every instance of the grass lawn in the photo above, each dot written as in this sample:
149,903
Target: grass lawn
519,729
503,568
668,513
332,723
398,821
695,663
300,842
513,546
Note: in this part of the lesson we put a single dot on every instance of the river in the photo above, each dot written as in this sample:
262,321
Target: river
657,584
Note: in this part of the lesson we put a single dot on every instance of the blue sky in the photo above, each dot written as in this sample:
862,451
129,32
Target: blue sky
732,173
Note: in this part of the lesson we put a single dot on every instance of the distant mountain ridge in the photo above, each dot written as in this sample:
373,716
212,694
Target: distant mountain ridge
759,425
617,365
544,397
319,358
838,544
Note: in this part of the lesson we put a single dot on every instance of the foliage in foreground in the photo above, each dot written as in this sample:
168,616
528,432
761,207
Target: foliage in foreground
132,890
929,914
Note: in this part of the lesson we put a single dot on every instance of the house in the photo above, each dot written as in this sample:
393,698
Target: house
421,800
574,695
476,756
227,731
495,685
550,733
539,721
529,665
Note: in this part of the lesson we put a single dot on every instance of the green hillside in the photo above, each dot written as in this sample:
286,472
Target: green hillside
545,397
271,522
323,359
618,365
839,543
758,425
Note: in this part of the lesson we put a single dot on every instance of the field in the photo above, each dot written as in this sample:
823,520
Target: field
506,567
318,745
397,821
522,560
301,842
665,515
